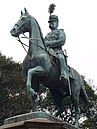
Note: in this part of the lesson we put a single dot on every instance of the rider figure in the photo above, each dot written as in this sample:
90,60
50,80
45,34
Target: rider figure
55,40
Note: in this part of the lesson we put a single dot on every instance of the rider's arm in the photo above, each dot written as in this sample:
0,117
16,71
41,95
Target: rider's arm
47,42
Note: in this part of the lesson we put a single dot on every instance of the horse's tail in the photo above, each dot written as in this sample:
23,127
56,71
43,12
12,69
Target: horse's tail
84,95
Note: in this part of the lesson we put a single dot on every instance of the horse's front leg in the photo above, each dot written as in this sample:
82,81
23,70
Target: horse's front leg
31,72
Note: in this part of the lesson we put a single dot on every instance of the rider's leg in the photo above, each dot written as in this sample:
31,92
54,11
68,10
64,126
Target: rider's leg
63,67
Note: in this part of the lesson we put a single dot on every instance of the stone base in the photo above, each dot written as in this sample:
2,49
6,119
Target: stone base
35,120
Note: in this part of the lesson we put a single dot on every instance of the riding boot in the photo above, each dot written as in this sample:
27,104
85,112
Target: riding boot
63,67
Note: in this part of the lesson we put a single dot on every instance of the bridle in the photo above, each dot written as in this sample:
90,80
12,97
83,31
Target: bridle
30,39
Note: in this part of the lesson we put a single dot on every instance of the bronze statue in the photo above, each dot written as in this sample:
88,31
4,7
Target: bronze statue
55,40
42,67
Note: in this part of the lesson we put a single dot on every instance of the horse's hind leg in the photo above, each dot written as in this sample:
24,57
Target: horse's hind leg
77,110
75,100
57,96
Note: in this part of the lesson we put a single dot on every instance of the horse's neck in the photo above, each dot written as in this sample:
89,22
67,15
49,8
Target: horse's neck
36,44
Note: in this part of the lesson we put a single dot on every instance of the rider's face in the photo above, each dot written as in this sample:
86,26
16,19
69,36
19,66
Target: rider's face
53,25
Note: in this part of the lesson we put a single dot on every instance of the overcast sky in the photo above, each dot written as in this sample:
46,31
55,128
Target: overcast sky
78,18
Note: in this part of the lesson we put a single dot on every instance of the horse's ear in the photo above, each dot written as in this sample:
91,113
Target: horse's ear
25,10
21,12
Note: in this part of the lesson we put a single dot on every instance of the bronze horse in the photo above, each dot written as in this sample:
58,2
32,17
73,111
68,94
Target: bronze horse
40,68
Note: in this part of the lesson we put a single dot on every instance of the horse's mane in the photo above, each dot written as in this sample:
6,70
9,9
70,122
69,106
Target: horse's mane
41,34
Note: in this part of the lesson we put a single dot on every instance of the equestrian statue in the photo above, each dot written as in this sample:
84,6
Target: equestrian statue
46,63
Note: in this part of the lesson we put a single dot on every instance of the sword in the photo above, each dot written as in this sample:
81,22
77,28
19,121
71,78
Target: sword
68,73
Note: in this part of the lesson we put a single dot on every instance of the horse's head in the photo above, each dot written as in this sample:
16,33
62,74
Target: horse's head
22,25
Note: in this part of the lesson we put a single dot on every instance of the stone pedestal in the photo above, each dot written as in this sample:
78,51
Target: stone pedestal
34,124
35,120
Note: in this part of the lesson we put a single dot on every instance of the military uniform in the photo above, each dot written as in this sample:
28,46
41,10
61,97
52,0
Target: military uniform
55,40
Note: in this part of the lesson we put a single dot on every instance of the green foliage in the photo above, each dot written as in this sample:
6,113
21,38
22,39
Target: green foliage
90,111
13,97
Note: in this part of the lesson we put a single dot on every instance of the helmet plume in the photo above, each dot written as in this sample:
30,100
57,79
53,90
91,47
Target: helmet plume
51,8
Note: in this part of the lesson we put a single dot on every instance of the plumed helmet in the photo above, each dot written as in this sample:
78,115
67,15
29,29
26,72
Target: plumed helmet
53,18
51,10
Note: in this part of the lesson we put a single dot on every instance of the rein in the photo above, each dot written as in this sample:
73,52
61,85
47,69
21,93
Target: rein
23,44
30,39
